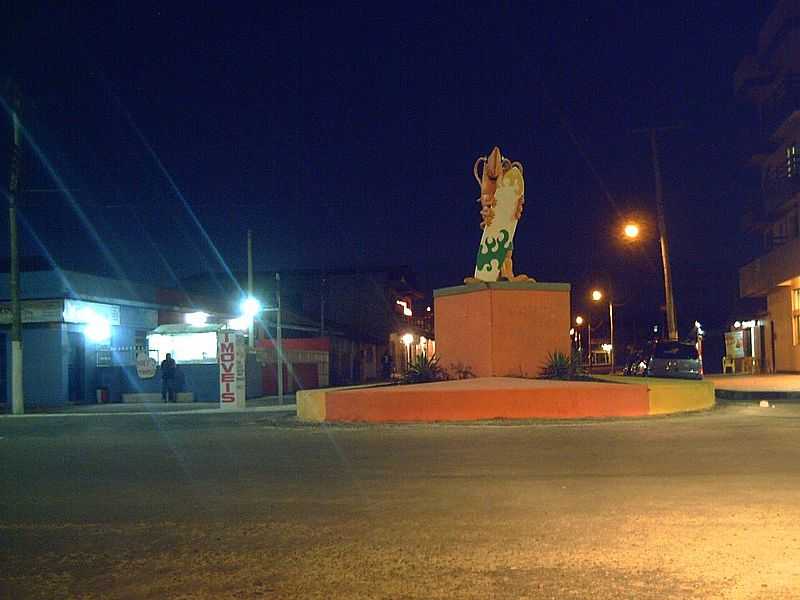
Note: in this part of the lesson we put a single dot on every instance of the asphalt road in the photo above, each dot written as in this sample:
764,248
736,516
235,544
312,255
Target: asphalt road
246,506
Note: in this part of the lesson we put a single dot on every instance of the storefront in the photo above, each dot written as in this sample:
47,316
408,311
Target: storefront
82,334
749,347
63,339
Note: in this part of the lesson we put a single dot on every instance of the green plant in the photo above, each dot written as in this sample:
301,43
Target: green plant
423,370
559,365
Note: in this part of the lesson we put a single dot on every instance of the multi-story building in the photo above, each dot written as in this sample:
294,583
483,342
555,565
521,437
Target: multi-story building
770,80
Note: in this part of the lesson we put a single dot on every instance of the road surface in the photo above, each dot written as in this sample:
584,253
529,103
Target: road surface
251,506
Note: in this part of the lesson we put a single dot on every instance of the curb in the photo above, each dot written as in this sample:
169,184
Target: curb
737,396
284,408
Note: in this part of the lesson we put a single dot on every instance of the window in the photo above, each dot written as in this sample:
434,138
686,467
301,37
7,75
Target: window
792,161
186,347
796,316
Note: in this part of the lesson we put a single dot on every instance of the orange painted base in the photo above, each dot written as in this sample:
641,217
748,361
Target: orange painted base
486,398
503,329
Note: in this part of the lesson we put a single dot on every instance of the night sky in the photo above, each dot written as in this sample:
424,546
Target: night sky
345,137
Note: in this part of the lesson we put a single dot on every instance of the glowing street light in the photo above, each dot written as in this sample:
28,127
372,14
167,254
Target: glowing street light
250,307
579,321
597,295
631,231
98,329
407,340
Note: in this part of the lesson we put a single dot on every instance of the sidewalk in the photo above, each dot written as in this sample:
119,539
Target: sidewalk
266,404
757,387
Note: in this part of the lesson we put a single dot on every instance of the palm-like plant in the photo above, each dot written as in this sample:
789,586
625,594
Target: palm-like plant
559,365
423,370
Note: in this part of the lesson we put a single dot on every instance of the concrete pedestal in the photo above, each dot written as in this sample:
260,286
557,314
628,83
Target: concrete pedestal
501,329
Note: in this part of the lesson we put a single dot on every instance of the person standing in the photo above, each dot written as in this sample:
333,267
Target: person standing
386,365
168,368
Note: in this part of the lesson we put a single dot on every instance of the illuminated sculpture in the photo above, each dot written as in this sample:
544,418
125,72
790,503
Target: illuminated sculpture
502,197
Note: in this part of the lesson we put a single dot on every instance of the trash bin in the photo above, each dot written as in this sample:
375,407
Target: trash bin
102,395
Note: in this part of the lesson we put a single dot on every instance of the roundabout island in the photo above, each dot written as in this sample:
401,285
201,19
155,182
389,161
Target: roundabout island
502,326
488,398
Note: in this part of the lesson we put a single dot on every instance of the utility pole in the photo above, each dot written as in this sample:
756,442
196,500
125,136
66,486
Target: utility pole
672,324
17,392
322,307
251,343
279,339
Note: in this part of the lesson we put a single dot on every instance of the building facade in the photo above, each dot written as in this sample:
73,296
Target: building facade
69,320
770,81
83,334
357,315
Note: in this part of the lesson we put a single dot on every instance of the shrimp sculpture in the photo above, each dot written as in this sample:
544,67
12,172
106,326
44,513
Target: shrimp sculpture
502,198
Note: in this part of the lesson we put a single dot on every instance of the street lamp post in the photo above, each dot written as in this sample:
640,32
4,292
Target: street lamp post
579,322
611,325
597,295
250,308
631,232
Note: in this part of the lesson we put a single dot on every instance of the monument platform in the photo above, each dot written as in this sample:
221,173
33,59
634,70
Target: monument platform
499,398
501,329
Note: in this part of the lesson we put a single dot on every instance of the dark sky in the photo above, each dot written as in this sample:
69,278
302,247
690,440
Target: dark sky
345,136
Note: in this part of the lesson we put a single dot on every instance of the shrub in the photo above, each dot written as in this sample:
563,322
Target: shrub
423,370
559,365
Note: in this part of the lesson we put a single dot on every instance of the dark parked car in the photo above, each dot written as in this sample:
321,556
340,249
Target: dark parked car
667,359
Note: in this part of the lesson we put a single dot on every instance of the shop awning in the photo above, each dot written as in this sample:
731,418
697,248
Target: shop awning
181,328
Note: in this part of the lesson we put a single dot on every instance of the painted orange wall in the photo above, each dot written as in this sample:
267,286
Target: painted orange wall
461,334
501,332
526,326
471,400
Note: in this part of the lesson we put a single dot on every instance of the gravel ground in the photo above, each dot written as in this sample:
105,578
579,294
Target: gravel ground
247,506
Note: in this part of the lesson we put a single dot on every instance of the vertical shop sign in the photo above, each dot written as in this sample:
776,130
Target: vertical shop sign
231,358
